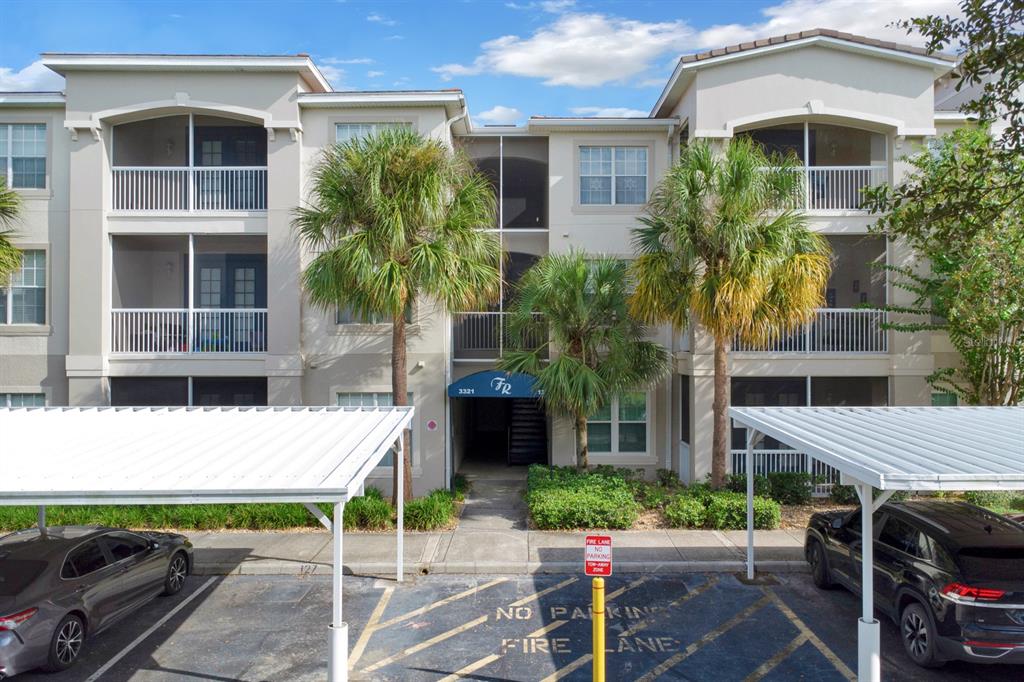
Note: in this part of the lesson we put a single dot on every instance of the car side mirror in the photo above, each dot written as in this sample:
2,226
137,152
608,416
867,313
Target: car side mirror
837,522
154,545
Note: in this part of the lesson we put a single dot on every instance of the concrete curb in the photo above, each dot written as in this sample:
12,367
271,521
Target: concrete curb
296,568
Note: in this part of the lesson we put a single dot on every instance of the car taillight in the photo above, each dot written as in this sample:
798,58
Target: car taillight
969,593
15,619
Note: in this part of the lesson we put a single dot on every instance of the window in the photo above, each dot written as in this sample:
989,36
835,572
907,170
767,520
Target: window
621,427
375,400
343,132
24,301
124,545
346,315
613,175
84,560
23,155
22,400
902,536
944,400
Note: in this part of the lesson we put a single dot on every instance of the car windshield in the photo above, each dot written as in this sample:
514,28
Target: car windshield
17,574
993,563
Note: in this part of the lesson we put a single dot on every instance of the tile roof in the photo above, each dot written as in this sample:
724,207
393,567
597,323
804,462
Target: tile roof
823,32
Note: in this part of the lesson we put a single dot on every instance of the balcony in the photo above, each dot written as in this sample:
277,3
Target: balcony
171,189
189,164
153,312
839,188
833,330
484,336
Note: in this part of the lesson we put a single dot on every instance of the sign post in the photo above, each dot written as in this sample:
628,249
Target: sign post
597,562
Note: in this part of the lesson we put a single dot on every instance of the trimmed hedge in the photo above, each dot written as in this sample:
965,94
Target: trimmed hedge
720,510
785,487
565,498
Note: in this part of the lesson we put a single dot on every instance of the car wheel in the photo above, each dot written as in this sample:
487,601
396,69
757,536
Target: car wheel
820,573
918,636
176,572
66,644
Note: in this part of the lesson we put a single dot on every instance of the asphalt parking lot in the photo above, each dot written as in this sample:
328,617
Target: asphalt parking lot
684,627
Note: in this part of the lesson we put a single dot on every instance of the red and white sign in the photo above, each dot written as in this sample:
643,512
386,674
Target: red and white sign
597,555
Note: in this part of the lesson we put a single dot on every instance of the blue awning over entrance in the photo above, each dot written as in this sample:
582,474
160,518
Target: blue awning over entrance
494,384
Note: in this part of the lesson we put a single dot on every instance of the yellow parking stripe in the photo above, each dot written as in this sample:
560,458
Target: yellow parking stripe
425,644
438,604
575,665
779,657
542,593
647,622
471,668
371,624
843,669
706,639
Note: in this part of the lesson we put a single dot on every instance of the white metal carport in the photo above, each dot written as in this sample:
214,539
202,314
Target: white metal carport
891,448
109,455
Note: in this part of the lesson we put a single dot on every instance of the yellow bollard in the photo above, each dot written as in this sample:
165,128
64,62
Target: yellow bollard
598,620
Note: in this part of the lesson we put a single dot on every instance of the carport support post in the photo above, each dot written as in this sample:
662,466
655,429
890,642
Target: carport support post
869,665
753,436
41,519
337,657
399,460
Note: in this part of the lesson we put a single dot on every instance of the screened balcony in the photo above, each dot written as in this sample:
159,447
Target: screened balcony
838,162
852,321
172,298
517,167
189,163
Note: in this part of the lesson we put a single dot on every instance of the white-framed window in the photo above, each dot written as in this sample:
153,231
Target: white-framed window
378,399
941,399
620,428
612,176
23,155
343,132
22,400
23,301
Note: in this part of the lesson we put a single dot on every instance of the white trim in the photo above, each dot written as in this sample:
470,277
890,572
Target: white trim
954,116
649,453
20,99
181,100
604,123
383,98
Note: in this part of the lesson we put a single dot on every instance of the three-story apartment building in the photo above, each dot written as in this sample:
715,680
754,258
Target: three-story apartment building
161,267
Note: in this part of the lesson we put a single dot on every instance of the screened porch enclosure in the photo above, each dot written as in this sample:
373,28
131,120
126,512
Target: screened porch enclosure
771,456
189,163
182,294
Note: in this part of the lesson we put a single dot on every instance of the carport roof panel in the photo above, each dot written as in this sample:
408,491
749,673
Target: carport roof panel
99,455
904,448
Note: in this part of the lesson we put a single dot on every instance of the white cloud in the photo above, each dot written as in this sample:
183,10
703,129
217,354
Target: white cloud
871,19
500,115
374,74
580,50
552,6
380,19
333,74
609,112
395,37
336,60
35,76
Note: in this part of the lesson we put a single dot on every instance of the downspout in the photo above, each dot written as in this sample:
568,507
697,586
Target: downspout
448,473
670,416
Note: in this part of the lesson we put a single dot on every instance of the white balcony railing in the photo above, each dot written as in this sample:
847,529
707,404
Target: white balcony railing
179,331
839,188
778,461
484,336
833,330
183,189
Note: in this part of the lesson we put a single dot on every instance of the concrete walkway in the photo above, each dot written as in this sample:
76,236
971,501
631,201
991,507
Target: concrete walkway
508,551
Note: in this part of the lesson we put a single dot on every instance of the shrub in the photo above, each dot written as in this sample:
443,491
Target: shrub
701,491
847,494
668,478
436,510
1000,499
650,496
563,497
721,510
369,512
791,487
685,511
737,483
460,486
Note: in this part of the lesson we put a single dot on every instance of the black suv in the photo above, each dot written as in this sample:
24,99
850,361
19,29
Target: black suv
949,574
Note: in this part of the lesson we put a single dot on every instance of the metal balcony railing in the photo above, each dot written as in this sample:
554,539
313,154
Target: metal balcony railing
175,189
833,330
485,336
180,331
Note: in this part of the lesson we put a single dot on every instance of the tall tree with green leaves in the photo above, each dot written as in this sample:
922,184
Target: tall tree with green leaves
395,218
720,247
974,287
576,306
10,213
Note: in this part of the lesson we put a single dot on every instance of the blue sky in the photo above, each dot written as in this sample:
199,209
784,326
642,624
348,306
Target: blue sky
513,58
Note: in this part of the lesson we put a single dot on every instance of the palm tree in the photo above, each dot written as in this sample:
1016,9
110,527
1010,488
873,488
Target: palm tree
394,217
721,245
580,303
10,212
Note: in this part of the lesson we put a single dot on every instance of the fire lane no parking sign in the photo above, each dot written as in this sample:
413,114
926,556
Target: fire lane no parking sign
597,555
